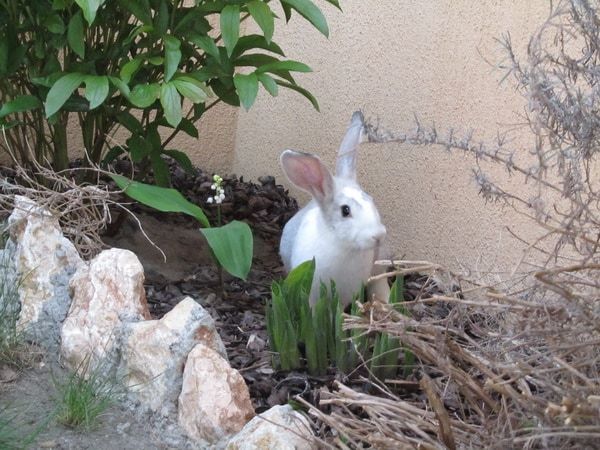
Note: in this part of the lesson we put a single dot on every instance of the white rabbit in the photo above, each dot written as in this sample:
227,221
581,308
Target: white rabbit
340,227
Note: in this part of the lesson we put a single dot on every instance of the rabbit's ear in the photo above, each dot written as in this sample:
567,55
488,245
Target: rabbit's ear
348,152
307,172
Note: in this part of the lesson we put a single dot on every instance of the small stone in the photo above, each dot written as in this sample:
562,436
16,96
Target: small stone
154,353
106,293
214,400
279,427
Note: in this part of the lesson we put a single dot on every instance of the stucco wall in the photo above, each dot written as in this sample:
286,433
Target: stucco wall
395,58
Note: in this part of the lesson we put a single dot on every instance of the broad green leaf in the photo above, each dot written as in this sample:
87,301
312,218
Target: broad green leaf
230,27
61,90
262,15
310,12
172,56
188,127
289,65
246,87
130,122
54,24
89,8
254,41
113,154
300,90
96,89
76,36
120,85
129,69
232,246
20,104
160,170
171,103
138,148
206,43
182,159
268,83
159,198
191,89
255,59
161,17
139,8
143,95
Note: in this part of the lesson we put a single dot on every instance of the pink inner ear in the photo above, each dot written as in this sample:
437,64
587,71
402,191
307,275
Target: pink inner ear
307,173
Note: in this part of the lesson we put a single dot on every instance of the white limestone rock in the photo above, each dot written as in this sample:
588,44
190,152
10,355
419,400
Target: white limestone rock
214,402
44,261
153,354
107,292
279,427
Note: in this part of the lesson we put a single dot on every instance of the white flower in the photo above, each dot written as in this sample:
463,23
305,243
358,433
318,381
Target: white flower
209,200
213,186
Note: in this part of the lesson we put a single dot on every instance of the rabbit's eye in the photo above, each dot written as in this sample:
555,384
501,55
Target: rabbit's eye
345,211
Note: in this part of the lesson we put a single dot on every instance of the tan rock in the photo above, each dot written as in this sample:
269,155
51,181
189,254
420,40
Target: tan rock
280,427
214,401
44,261
106,293
153,353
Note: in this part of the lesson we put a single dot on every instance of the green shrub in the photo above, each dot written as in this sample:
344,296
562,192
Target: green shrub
138,64
293,325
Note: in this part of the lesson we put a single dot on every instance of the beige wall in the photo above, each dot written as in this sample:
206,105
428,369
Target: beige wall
394,58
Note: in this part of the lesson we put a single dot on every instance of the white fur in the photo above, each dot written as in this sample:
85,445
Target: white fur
344,248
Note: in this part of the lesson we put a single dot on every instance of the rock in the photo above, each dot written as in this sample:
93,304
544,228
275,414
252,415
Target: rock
153,354
44,261
214,401
279,427
106,293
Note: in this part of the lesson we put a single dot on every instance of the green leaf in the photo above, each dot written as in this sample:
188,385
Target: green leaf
268,83
246,87
76,36
61,90
300,90
171,103
310,12
191,89
120,85
130,122
112,154
161,17
89,8
254,41
289,65
160,170
230,26
335,3
262,15
182,159
232,246
159,198
138,148
129,69
96,89
144,95
54,24
172,56
206,43
20,104
139,8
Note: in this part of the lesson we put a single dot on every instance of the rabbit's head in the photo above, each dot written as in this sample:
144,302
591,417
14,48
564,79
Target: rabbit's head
346,209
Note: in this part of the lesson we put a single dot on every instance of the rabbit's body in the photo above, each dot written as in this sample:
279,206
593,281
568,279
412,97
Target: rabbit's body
340,227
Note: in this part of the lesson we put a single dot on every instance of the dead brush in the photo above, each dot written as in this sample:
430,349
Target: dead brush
516,364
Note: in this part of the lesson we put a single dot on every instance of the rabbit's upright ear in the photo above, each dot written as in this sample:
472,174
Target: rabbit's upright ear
307,172
348,152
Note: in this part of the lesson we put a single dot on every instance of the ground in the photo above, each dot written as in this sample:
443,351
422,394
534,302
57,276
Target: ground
188,271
